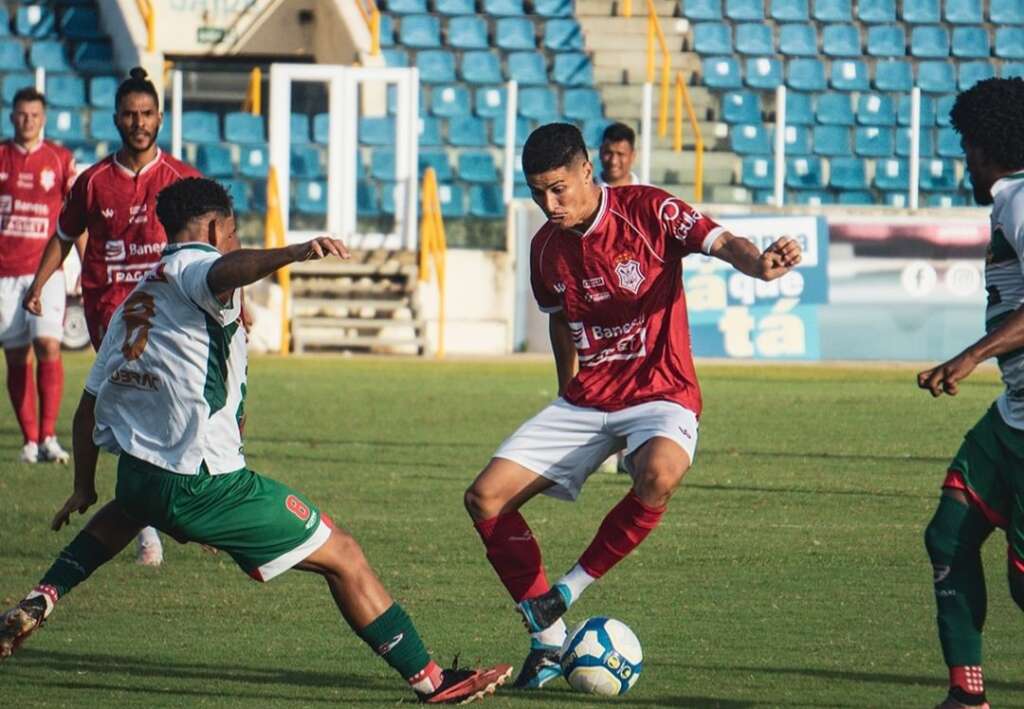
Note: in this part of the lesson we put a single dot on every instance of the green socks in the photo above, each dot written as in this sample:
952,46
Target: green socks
76,562
393,636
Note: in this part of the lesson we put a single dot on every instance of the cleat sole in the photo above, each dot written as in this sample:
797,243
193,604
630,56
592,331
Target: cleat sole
490,688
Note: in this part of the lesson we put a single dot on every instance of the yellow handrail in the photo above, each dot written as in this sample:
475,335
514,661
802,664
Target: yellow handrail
626,8
149,17
371,17
433,247
654,32
254,94
274,237
682,96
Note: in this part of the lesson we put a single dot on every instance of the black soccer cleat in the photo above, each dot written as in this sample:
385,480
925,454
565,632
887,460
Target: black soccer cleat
543,611
542,665
20,622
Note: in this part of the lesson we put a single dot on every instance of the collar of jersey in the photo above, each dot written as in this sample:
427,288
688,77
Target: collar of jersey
23,150
145,168
600,212
174,248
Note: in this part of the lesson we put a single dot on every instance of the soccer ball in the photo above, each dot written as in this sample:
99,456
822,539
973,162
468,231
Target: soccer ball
602,656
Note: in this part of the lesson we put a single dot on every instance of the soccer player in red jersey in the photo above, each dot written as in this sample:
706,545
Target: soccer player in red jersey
607,267
115,201
35,174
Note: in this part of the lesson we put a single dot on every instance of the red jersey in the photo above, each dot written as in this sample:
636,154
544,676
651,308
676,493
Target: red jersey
32,187
118,208
621,287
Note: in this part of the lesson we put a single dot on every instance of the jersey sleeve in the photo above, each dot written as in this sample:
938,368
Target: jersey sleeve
684,226
72,220
70,170
193,284
547,300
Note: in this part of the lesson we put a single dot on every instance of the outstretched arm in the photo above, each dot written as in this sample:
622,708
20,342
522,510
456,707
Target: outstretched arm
945,378
563,348
86,453
57,249
775,261
244,266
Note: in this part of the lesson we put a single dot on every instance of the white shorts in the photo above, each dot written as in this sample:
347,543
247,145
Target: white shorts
18,327
566,443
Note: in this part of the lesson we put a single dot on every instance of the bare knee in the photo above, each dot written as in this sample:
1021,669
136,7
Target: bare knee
481,502
47,349
658,479
341,556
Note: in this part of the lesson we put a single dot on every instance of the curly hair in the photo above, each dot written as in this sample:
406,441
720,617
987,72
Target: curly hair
137,83
990,117
184,200
553,146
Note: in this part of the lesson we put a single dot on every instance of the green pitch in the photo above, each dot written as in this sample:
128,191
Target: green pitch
789,570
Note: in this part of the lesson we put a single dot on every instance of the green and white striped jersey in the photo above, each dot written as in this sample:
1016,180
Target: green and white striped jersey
1004,281
170,376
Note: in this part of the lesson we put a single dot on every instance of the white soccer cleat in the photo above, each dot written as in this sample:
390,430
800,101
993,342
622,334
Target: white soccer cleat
51,452
29,453
150,551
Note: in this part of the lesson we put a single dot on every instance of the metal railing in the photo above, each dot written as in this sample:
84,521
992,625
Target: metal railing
371,15
682,98
654,32
254,93
149,17
433,247
274,237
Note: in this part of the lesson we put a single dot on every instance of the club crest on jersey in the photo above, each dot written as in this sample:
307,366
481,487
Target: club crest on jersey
627,268
47,179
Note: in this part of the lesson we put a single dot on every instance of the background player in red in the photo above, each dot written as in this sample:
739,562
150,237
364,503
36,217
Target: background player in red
607,266
115,200
35,174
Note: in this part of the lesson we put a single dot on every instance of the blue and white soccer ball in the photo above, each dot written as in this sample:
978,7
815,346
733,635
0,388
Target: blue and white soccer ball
602,656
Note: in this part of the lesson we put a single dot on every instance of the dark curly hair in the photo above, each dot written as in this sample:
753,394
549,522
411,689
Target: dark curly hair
553,146
184,200
137,83
990,116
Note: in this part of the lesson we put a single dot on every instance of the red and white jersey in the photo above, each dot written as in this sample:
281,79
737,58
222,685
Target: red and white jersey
118,208
33,184
621,287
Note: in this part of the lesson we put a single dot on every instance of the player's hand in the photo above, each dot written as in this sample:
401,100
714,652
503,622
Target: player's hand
779,258
946,377
79,502
321,247
33,302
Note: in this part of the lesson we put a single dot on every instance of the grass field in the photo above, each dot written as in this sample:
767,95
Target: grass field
789,570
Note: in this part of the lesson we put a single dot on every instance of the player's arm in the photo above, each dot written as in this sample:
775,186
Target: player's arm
564,349
86,454
57,249
244,266
1009,336
741,254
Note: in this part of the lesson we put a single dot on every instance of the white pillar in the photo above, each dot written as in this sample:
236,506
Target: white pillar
780,145
645,133
915,145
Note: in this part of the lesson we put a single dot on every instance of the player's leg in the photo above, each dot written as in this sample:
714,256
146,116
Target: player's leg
21,388
104,535
46,331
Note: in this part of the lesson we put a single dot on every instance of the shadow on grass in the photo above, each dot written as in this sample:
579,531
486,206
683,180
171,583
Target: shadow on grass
568,697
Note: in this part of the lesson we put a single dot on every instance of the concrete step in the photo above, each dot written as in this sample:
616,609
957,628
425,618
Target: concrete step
304,339
634,72
635,59
713,194
378,305
311,323
610,8
626,101
635,25
668,167
334,267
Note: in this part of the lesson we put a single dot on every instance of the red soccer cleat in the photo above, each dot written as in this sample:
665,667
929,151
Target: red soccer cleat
465,686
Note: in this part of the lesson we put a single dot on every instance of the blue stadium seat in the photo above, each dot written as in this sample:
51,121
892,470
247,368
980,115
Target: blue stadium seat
79,23
200,126
1010,42
35,21
832,141
929,42
758,172
702,9
840,41
48,54
963,12
892,174
763,73
832,10
887,41
798,140
938,175
873,141
740,107
305,162
450,100
244,128
813,198
849,75
12,55
721,72
926,146
893,75
252,161
382,164
834,109
712,38
387,31
387,198
93,57
798,40
395,57
527,68
515,33
798,109
1006,12
436,66
945,201
876,12
503,7
875,110
971,43
429,131
921,12
420,32
936,77
379,130
102,90
788,10
367,199
5,22
467,132
85,155
563,35
310,197
522,131
855,198
927,110
971,73
214,160
407,6
948,144
258,198
437,159
65,91
477,166
539,103
485,201
65,126
467,33
806,75
481,68
489,101
452,199
299,128
1012,69
741,10
804,173
895,199
455,7
101,126
553,8
753,38
572,69
750,139
763,197
943,105
582,104
847,174
239,191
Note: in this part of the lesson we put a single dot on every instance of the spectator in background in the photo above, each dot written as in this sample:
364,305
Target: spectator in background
617,153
